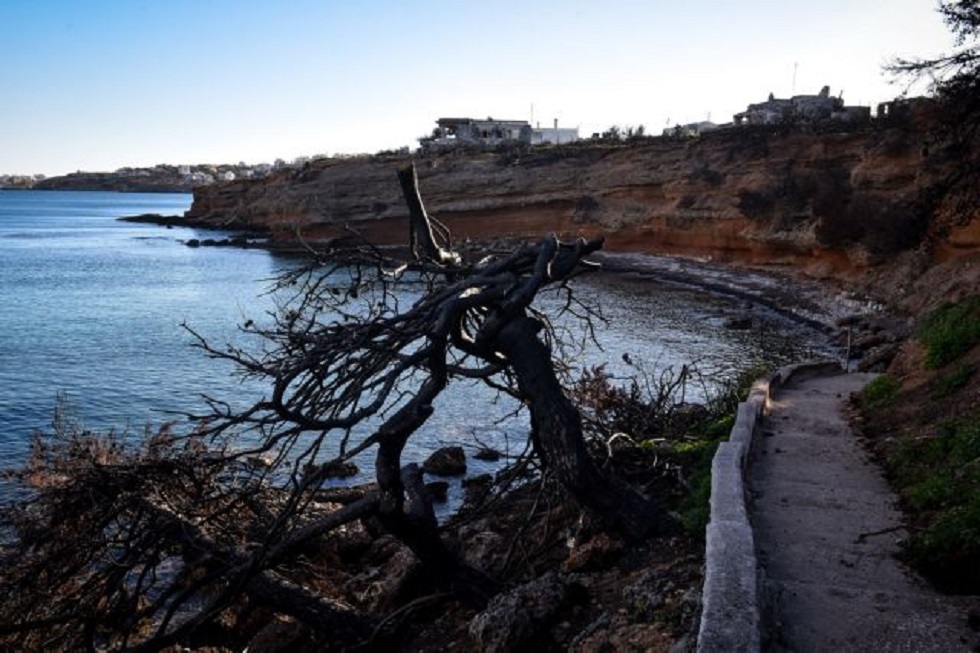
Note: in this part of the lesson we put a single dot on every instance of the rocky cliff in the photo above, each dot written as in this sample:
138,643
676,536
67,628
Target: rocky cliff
857,206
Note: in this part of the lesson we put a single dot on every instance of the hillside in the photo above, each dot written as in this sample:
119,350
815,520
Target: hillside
163,180
856,207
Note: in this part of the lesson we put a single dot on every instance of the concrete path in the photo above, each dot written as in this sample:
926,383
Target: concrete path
827,533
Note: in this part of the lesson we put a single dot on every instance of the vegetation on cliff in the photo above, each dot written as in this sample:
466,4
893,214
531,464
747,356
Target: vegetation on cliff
923,420
922,417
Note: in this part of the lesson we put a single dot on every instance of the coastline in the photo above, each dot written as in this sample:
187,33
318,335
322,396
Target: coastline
863,326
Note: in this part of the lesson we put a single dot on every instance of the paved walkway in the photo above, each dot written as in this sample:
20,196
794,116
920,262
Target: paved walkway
827,532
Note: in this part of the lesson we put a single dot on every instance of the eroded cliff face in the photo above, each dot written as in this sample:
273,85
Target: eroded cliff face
840,206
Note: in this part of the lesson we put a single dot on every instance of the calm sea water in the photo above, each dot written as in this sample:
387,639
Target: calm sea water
91,307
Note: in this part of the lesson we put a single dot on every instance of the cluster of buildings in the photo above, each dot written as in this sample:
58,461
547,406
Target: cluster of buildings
802,109
799,109
19,181
456,132
199,175
796,110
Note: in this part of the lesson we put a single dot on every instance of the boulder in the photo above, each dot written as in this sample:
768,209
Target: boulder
512,619
448,461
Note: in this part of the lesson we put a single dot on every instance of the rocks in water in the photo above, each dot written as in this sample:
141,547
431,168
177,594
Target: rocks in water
168,221
488,454
262,460
234,241
448,461
438,491
476,489
339,470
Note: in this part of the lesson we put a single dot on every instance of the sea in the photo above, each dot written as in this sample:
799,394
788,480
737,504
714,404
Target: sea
93,313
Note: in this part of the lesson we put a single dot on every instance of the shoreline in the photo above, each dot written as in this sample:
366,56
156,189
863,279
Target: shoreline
817,304
841,316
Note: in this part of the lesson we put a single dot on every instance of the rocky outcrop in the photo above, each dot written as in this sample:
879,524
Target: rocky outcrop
832,205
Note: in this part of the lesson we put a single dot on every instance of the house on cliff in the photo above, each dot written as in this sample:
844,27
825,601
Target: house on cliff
454,132
802,109
691,129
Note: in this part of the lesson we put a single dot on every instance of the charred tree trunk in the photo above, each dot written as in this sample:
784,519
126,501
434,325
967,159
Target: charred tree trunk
413,521
557,427
420,225
556,424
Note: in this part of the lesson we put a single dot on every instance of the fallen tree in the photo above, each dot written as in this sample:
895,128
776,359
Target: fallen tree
145,547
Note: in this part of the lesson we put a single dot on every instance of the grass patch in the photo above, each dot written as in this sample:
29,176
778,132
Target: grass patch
950,331
695,509
880,393
939,480
949,384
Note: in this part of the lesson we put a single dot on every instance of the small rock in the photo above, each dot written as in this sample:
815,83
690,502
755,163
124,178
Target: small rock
437,491
475,489
597,552
645,596
740,323
261,461
339,470
485,453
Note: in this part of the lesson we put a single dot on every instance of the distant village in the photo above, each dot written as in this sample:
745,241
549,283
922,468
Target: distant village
159,177
799,109
450,133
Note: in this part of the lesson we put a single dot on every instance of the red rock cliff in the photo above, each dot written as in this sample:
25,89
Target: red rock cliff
833,205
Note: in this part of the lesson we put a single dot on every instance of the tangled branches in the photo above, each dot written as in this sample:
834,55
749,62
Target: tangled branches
149,546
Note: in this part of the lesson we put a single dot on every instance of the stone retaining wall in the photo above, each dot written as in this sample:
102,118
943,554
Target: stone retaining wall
730,601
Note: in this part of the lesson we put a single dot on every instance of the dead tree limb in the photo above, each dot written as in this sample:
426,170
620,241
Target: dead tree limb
420,225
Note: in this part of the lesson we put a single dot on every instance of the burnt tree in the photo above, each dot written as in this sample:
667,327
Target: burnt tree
141,548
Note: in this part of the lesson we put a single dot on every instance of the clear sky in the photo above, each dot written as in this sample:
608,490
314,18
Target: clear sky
101,84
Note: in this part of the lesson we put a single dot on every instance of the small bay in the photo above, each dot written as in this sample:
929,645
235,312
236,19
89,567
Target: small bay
92,308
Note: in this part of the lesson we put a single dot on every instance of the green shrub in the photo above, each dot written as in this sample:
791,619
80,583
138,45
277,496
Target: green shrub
949,549
939,478
880,393
695,509
950,331
949,384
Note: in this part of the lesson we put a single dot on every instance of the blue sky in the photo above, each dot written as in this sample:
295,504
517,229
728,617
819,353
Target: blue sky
101,84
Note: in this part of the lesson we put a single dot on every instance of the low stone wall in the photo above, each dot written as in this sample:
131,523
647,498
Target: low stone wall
730,601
